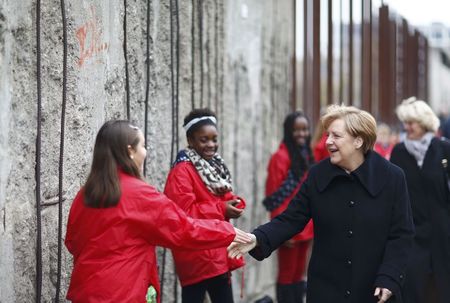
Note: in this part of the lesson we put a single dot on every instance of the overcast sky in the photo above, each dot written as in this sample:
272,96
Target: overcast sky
422,12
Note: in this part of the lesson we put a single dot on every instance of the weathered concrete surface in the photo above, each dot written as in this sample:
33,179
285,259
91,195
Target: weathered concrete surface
234,56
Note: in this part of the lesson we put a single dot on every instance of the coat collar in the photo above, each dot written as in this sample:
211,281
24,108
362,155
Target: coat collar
371,173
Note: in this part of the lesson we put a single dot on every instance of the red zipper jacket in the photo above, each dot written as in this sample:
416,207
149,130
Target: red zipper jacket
277,172
114,248
185,186
320,150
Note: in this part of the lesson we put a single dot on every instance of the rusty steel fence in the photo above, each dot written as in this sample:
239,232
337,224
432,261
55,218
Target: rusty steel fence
356,52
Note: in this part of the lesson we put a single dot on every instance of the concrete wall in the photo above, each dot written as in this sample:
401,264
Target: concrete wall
234,56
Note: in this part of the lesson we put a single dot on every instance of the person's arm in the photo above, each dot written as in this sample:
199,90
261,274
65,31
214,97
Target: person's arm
276,172
180,189
395,155
165,224
283,227
72,224
280,184
391,272
445,143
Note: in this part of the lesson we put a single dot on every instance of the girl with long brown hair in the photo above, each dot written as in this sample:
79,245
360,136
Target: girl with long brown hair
117,219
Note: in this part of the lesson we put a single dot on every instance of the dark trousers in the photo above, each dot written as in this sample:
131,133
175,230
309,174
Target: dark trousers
218,288
291,293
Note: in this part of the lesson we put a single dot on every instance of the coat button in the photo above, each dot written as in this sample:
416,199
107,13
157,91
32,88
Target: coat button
350,233
401,277
351,203
348,293
349,263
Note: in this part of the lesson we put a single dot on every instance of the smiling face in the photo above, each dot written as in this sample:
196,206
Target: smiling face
345,150
204,141
300,131
414,131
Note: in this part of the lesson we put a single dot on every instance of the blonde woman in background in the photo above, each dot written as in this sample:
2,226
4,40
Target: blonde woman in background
424,159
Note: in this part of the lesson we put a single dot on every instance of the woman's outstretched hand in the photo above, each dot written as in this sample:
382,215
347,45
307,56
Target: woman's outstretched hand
383,294
238,249
242,237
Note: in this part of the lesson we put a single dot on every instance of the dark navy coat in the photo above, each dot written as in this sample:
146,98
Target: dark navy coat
362,225
430,205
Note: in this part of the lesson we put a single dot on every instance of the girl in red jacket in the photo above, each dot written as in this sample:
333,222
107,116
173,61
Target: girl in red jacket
116,220
200,183
287,169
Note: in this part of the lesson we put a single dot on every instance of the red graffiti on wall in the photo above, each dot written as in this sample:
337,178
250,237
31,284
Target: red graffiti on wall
89,39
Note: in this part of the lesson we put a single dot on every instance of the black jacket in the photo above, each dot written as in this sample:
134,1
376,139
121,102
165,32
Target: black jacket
430,205
363,230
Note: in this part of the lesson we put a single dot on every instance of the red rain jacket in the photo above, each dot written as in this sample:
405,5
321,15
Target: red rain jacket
114,248
185,186
384,150
278,169
320,150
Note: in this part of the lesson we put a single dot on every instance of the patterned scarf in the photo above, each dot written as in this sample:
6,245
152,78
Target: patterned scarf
214,173
418,148
286,188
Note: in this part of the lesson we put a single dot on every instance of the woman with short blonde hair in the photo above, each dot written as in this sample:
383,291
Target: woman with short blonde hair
359,203
418,111
358,123
424,159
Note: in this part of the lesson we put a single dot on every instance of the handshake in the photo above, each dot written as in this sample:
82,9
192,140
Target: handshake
243,242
